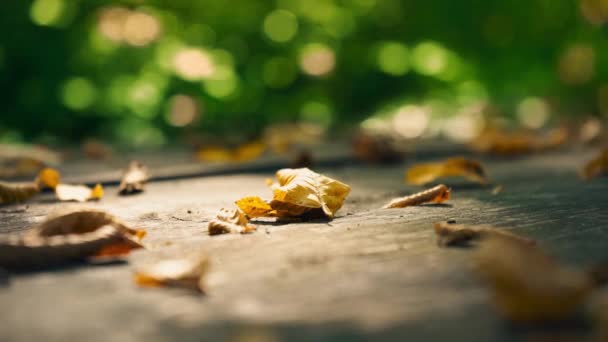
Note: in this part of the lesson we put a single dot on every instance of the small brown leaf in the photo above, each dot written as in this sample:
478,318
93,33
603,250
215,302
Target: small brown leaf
438,194
597,167
422,174
134,179
69,237
450,234
527,285
230,221
185,273
79,193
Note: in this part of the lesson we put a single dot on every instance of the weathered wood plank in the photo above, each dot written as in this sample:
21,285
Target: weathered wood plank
371,273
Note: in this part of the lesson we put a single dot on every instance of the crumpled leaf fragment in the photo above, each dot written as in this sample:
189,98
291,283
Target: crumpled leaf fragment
69,237
424,173
527,285
596,167
230,221
19,192
185,273
79,193
246,152
515,143
134,179
452,234
437,194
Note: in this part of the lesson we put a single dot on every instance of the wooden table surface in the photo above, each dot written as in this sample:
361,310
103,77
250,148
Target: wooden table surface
369,274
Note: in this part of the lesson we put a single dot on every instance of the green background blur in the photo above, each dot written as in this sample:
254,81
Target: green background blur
151,72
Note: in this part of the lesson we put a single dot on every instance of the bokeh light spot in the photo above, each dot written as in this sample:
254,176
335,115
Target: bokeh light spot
411,121
47,12
141,29
533,112
183,110
429,58
317,59
393,58
223,84
577,64
317,112
193,64
78,93
280,26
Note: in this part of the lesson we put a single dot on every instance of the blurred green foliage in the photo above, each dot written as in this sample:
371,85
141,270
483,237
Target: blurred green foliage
149,72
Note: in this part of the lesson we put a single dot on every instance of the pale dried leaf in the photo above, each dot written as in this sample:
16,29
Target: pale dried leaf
425,173
79,193
451,234
186,273
596,167
230,221
307,189
437,194
134,179
527,285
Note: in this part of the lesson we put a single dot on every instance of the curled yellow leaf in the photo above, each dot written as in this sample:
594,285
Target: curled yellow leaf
437,194
425,173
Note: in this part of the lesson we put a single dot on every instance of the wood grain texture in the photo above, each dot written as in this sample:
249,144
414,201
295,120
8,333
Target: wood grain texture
369,274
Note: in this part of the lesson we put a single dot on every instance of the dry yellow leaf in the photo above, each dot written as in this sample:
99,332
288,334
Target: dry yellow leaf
230,221
186,273
246,152
79,193
527,285
513,143
254,207
298,192
308,189
69,237
452,234
596,167
134,179
421,174
437,194
18,192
